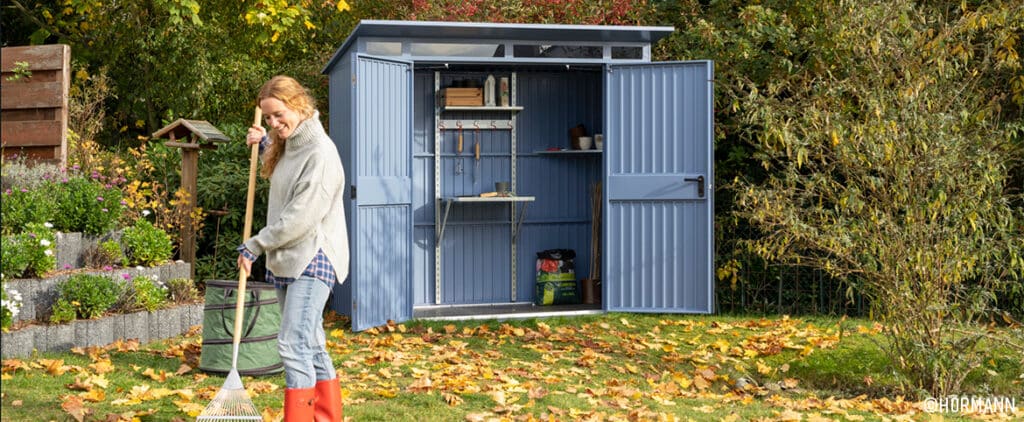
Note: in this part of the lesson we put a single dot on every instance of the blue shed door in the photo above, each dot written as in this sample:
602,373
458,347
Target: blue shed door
658,206
381,229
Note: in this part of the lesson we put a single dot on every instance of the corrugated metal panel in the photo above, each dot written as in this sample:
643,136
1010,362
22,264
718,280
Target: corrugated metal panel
381,274
340,128
659,231
476,264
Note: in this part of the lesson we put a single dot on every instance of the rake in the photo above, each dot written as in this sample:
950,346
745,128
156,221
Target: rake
232,402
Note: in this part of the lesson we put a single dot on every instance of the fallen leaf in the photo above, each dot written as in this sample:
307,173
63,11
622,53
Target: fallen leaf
102,366
156,376
451,399
12,365
256,388
17,403
94,395
537,393
189,408
183,369
75,406
790,382
700,383
54,367
790,416
421,385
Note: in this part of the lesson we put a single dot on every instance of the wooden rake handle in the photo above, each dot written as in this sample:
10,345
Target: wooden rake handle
246,232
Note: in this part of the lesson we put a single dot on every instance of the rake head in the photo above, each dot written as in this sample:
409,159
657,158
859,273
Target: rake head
232,403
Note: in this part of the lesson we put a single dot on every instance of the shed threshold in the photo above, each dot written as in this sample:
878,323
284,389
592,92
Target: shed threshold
501,311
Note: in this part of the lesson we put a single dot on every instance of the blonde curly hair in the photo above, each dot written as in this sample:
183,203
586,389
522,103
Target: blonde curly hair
294,96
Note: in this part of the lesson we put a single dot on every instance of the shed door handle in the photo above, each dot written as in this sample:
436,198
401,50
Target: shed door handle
700,184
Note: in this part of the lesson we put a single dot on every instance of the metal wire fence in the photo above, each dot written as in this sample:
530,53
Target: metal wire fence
786,290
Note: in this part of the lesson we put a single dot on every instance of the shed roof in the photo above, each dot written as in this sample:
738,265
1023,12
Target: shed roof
479,31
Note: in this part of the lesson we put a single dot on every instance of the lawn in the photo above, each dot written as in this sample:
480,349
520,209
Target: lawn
603,367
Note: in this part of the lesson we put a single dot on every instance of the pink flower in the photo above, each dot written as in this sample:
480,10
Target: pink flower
99,198
107,268
67,266
126,276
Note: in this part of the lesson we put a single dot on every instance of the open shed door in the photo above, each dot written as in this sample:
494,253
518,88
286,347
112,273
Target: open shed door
659,208
381,202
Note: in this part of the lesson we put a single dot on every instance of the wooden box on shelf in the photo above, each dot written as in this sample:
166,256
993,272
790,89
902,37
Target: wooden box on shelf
467,97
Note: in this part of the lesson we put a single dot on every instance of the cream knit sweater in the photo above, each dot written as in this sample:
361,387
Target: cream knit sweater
305,211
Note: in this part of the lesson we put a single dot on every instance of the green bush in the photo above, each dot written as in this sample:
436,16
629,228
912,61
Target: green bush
41,244
86,205
143,293
63,311
28,254
14,256
22,206
106,253
182,290
145,244
88,295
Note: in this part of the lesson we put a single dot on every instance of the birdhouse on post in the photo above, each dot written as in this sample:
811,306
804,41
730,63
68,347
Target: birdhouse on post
191,136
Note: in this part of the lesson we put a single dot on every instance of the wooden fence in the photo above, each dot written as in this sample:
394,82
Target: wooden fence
34,119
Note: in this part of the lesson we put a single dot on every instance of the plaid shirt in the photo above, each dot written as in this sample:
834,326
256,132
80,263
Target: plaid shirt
319,268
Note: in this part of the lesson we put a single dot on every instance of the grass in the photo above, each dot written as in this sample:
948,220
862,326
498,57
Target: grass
601,367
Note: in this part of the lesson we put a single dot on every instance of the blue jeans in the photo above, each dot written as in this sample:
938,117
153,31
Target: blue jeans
301,341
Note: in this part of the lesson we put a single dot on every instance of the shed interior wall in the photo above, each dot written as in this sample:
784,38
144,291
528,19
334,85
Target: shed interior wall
476,263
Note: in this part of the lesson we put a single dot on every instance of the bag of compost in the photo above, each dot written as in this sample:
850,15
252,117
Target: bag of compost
556,278
257,351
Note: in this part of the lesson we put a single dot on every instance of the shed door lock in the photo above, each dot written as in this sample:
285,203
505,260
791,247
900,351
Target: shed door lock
700,184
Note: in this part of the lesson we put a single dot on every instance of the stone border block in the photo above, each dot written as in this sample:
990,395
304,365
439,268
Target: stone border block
18,343
144,326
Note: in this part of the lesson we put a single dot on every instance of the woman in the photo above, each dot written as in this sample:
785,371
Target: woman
305,241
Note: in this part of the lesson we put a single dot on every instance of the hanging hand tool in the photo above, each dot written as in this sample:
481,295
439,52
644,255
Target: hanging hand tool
476,154
458,151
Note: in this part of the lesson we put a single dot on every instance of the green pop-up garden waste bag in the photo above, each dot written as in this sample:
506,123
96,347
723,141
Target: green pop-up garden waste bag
261,321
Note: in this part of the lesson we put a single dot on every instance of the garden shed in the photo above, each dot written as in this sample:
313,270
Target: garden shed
429,116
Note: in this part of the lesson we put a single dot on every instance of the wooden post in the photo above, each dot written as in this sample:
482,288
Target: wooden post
199,131
189,175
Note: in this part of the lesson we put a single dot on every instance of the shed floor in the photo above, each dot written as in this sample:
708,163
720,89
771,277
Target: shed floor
501,311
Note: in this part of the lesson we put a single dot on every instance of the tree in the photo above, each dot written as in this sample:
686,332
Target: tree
889,146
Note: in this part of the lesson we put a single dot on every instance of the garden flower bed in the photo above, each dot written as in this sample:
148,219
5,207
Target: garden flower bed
82,267
31,331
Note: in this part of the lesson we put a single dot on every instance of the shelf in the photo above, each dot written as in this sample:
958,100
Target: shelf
490,199
569,152
483,108
525,200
